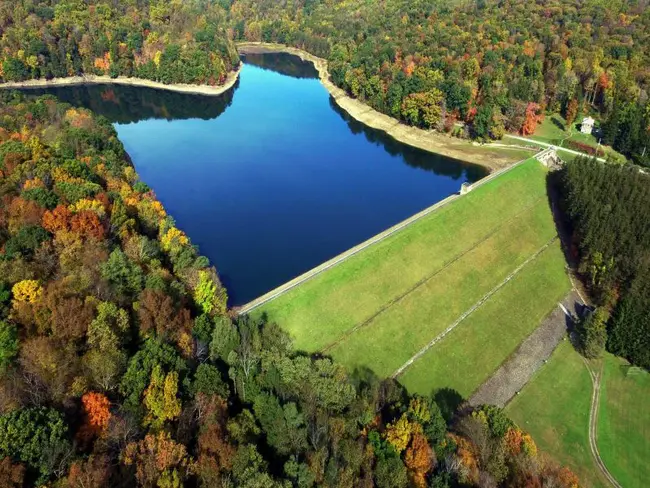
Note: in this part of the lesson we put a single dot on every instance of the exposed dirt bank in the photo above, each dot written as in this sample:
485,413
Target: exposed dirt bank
120,80
426,140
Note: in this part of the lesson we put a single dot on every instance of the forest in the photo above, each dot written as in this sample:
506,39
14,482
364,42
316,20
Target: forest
608,207
494,66
169,42
120,362
122,365
497,66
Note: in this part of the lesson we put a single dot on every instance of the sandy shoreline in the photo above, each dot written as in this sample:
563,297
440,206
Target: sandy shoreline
427,140
430,141
96,80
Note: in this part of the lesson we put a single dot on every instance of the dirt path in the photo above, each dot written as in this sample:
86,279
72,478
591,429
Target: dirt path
593,424
531,354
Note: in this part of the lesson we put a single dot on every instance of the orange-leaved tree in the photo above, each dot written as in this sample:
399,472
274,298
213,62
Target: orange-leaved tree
419,459
97,414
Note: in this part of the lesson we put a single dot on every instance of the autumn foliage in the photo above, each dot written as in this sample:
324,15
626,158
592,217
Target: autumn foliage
532,119
419,459
97,411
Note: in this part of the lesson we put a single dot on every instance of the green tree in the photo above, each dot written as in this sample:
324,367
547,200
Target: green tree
14,69
152,353
36,437
390,472
209,295
125,276
284,425
208,380
593,333
8,344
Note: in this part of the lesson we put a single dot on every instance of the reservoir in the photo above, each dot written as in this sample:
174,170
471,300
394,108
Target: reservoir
271,178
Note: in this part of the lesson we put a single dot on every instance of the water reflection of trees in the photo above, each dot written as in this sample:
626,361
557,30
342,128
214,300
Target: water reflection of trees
283,63
438,164
125,104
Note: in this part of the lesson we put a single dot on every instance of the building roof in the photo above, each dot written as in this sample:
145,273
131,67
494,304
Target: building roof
588,120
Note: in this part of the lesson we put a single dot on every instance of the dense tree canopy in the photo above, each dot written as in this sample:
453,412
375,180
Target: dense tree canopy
120,364
171,42
399,55
608,206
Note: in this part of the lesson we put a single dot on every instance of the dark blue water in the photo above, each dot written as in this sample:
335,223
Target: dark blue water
272,178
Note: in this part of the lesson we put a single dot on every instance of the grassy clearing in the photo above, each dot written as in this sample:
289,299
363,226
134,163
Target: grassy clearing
554,408
553,130
624,423
466,357
320,311
401,331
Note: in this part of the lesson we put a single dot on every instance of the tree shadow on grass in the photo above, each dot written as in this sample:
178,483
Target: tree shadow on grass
449,400
558,123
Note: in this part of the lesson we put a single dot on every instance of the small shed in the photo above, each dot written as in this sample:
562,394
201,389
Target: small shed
587,125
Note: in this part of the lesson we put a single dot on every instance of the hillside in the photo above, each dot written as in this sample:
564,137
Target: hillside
168,42
121,364
495,65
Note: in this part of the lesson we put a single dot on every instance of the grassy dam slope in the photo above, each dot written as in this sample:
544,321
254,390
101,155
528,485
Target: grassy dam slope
444,301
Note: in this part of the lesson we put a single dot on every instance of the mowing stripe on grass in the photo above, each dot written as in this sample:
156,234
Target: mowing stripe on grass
427,278
468,312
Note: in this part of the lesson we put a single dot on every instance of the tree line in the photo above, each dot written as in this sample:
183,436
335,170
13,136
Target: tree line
121,364
169,42
608,206
495,65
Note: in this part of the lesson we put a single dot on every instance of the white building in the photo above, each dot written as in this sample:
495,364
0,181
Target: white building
587,125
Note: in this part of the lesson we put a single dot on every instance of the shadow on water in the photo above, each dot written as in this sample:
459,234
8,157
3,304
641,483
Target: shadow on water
125,104
283,63
417,158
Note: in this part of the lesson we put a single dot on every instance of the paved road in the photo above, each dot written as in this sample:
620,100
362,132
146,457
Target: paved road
544,144
531,354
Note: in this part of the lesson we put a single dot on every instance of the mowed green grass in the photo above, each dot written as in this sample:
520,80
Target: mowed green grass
467,356
624,423
322,310
554,408
402,330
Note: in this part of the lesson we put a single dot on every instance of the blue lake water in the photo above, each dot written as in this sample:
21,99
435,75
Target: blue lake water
272,178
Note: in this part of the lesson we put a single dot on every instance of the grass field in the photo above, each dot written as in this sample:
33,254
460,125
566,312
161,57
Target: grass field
554,409
553,130
381,306
485,339
624,423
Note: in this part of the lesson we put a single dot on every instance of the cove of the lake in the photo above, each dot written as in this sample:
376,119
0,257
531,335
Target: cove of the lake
271,178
